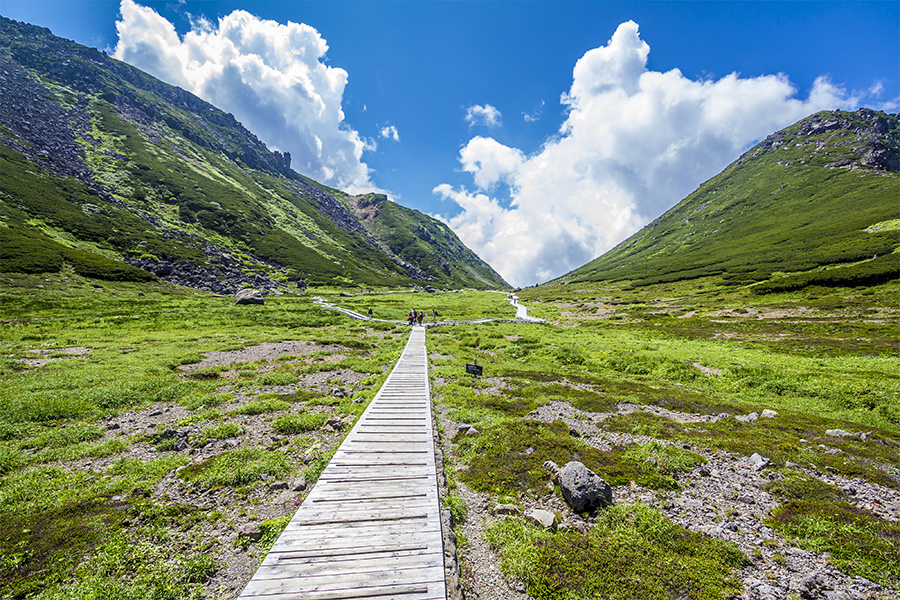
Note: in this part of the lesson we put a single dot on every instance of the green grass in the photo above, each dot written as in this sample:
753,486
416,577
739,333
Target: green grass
237,468
508,458
838,371
631,552
299,422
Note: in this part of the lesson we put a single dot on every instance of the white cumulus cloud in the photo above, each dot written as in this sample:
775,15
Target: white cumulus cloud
483,115
633,144
271,76
390,133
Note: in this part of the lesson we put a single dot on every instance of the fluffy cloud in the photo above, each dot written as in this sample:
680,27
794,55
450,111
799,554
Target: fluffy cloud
270,76
634,143
390,133
483,115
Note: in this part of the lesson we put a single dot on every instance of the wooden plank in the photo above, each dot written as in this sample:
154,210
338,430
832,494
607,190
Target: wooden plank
370,527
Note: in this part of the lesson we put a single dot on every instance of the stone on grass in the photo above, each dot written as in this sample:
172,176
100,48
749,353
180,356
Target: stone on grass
541,517
759,462
278,485
583,489
748,418
299,484
769,414
249,296
837,433
506,509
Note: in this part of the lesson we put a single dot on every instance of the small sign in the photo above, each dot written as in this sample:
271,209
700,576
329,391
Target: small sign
473,369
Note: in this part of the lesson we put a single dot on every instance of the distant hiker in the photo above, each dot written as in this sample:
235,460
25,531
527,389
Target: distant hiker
370,312
409,320
433,316
421,317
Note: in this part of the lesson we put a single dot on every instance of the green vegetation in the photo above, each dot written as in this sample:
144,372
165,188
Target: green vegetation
80,515
631,552
172,174
299,422
237,468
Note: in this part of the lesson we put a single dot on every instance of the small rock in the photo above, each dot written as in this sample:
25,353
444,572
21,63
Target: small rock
812,586
759,462
299,484
278,485
769,414
254,535
748,418
541,517
837,433
506,509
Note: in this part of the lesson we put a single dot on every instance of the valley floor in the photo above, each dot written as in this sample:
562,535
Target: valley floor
188,429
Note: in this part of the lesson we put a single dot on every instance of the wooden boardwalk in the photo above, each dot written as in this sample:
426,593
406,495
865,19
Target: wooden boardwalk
371,527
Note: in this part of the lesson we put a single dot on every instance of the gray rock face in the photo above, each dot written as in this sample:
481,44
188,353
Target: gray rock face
541,517
249,296
583,489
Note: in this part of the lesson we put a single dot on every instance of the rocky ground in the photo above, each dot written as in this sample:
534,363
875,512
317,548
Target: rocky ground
723,499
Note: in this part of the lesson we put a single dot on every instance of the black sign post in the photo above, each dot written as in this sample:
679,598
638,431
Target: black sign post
474,369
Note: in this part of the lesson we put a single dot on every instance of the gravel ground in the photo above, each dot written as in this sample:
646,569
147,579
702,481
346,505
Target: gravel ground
722,499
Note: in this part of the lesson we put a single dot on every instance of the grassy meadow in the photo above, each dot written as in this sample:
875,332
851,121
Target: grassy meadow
91,511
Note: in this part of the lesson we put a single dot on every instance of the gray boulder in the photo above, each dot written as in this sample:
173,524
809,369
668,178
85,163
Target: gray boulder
583,489
249,296
759,462
541,517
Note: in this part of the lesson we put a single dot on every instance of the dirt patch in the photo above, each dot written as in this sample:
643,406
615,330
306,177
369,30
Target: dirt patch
264,351
46,355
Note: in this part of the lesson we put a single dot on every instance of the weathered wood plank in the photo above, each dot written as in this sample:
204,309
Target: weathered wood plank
370,527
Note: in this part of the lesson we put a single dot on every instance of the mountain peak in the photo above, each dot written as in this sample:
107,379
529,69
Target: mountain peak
104,165
814,203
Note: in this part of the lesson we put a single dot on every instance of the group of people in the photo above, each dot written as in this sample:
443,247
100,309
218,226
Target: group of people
420,317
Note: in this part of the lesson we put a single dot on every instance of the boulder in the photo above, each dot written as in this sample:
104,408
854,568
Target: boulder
769,414
759,462
583,489
249,296
541,517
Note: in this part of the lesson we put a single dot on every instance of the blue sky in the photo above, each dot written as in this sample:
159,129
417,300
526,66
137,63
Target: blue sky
552,166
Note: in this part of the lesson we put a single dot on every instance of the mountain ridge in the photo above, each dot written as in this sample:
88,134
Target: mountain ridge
177,182
802,200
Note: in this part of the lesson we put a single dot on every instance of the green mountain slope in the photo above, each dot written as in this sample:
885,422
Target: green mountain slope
106,169
816,203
